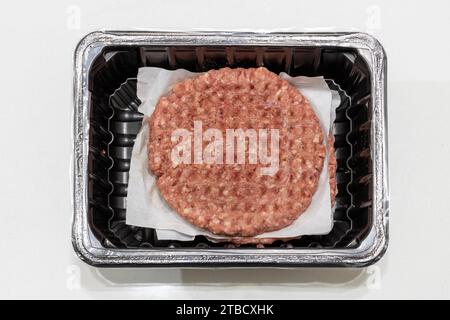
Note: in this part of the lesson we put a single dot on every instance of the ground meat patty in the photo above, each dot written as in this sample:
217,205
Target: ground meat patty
333,190
236,199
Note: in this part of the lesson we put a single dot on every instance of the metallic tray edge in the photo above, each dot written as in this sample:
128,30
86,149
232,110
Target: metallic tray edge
369,251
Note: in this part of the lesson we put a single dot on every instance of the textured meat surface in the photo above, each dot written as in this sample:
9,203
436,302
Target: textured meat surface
236,199
333,190
332,165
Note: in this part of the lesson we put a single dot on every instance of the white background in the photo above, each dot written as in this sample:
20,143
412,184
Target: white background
37,43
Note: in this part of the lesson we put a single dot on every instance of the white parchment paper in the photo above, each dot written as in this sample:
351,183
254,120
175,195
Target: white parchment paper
146,207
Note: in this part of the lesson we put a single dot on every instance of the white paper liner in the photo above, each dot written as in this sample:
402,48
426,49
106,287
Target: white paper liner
146,207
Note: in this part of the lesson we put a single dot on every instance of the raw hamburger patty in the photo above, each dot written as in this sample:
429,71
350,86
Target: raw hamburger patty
236,199
333,190
332,164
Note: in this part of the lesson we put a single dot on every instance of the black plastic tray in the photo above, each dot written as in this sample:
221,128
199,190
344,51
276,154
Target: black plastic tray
114,123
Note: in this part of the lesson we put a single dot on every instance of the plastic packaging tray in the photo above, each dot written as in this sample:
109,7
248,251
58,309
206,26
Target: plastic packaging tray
106,122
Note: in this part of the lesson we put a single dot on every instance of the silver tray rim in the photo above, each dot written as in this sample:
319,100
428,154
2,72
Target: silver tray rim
370,250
